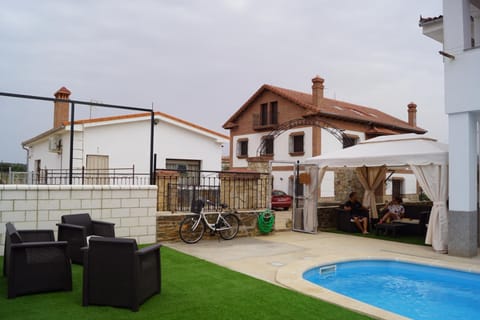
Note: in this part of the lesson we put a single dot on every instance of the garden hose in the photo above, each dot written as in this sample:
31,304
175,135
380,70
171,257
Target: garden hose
266,221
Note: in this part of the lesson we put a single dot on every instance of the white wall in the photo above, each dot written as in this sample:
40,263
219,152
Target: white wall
132,208
462,74
48,159
281,181
409,184
177,143
127,143
327,188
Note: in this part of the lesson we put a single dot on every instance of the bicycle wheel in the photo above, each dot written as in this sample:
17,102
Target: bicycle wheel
229,220
187,232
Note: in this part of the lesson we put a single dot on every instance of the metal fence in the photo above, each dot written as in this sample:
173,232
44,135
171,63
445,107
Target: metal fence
238,190
14,177
83,176
176,188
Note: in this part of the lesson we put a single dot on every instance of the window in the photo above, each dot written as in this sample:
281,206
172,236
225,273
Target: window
274,112
296,144
242,148
268,145
189,170
349,140
264,114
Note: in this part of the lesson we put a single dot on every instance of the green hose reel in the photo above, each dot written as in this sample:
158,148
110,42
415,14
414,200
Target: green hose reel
266,221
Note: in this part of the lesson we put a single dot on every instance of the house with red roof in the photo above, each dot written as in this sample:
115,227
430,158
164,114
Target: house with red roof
122,142
287,126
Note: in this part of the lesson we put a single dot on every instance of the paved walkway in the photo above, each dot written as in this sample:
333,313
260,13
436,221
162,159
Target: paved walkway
281,258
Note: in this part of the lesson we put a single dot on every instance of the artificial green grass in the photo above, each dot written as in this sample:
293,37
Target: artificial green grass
411,239
191,289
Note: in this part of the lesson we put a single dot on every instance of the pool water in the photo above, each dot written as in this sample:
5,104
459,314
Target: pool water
412,290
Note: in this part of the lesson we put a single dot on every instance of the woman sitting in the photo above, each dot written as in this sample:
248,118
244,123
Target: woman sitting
395,210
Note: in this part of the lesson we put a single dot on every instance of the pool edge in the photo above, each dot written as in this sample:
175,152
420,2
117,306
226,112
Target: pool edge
291,276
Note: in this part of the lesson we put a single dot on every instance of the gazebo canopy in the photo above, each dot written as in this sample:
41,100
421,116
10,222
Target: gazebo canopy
391,151
427,158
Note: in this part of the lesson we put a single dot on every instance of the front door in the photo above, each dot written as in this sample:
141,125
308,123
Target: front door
396,188
97,169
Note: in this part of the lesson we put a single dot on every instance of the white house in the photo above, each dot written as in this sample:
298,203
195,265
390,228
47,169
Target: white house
124,142
459,32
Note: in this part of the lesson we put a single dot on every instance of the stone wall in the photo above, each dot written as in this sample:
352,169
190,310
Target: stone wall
131,208
243,190
346,181
168,224
327,218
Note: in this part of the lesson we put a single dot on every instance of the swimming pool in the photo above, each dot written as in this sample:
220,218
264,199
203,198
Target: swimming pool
412,290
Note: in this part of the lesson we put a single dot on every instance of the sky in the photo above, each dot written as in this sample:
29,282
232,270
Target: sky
201,60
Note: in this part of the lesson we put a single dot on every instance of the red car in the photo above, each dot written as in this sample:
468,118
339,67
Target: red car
281,200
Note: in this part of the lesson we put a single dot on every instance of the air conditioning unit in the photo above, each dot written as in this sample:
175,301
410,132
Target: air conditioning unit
55,144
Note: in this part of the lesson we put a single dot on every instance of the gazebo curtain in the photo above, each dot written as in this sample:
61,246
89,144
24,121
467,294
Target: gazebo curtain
371,178
310,219
434,181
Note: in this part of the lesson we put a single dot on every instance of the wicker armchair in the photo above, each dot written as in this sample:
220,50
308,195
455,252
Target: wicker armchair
75,228
34,262
116,273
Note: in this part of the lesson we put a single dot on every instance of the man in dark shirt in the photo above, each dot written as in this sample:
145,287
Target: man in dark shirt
358,213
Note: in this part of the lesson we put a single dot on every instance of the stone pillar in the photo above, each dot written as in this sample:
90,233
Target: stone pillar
462,216
167,199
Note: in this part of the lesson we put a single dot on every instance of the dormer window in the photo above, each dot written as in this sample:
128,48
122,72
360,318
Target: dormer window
269,113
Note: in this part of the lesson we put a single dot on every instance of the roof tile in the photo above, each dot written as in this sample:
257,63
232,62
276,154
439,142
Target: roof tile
330,108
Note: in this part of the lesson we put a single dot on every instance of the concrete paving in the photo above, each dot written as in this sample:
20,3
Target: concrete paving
282,257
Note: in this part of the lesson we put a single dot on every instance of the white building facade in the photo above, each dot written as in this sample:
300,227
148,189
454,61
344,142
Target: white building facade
459,32
124,142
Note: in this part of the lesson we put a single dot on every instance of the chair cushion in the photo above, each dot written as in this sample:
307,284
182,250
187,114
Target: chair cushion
80,219
13,233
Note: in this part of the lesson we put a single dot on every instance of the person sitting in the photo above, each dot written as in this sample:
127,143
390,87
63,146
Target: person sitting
394,210
358,213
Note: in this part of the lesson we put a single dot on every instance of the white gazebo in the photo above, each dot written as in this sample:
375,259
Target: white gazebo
427,158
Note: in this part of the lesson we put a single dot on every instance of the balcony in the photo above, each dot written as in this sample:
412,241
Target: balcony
260,124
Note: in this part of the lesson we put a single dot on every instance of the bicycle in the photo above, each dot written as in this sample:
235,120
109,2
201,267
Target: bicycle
193,227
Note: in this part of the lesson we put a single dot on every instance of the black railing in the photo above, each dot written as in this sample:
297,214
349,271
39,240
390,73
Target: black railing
239,190
176,188
83,176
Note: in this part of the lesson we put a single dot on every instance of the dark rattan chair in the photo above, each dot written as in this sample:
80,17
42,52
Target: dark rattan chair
75,228
34,262
116,273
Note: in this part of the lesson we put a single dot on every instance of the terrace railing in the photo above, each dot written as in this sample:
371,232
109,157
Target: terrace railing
83,176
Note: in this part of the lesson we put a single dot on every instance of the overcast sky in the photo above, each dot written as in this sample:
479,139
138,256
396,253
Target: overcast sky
201,60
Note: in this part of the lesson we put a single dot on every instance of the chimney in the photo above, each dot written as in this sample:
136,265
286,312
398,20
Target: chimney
61,108
317,90
412,114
